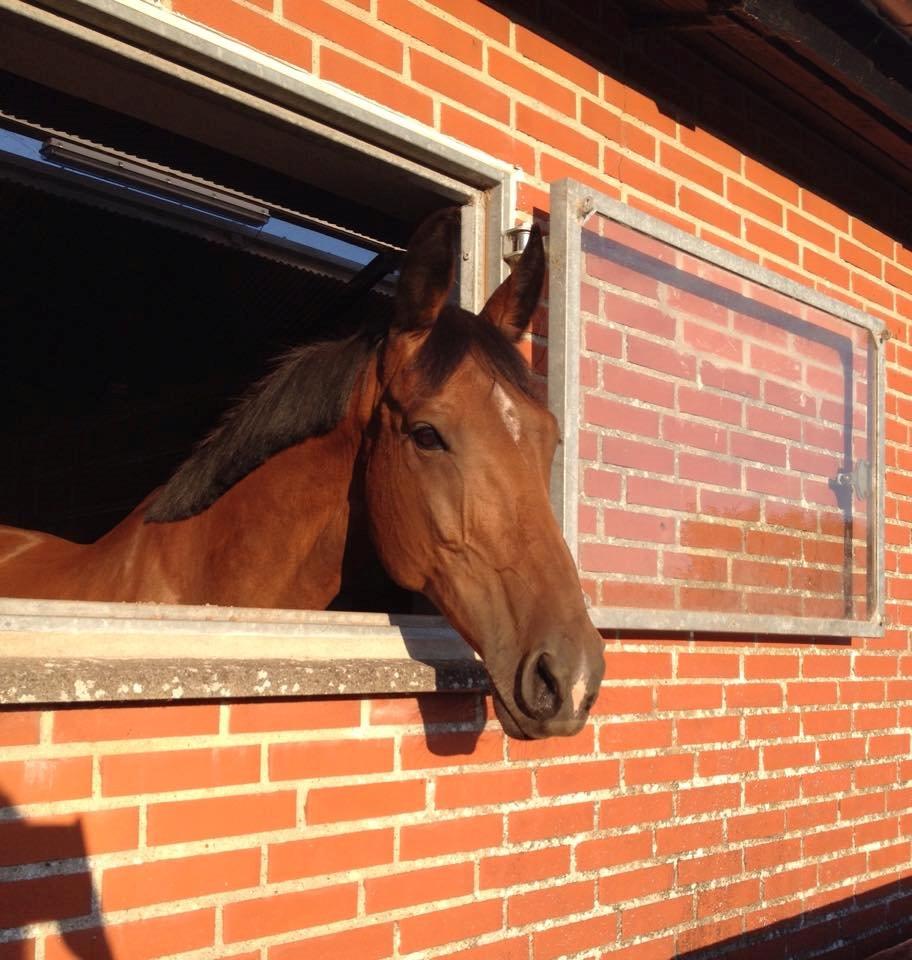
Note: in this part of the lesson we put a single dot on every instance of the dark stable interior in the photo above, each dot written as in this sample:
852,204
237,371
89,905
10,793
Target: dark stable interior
121,343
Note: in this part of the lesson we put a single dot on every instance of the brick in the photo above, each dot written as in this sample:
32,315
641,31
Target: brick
685,566
374,942
689,433
22,950
636,884
707,210
646,317
557,135
550,903
571,938
655,356
607,558
513,948
618,415
755,826
731,896
580,744
713,763
530,866
753,201
689,696
788,755
531,82
333,804
484,136
633,665
613,851
310,857
723,665
250,27
183,878
738,696
395,891
773,726
375,85
481,789
465,89
638,526
553,821
707,730
789,882
767,856
274,715
604,122
280,912
714,866
426,930
94,724
329,758
553,57
28,901
670,912
45,839
635,735
770,666
186,820
623,452
175,770
19,727
46,781
418,841
350,32
646,491
589,777
439,34
626,811
658,769
139,939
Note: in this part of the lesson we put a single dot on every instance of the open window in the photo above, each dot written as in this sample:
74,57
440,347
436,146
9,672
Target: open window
169,232
722,466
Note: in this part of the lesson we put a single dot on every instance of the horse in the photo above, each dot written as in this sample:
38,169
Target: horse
417,453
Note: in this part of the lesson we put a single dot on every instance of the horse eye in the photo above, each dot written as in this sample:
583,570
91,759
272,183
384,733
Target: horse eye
425,437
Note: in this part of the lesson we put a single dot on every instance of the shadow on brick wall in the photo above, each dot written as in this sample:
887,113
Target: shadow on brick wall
29,894
854,928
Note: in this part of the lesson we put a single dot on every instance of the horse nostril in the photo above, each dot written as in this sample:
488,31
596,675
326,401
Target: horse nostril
539,688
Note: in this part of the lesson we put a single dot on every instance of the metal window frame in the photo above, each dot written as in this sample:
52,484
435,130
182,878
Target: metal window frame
572,203
54,651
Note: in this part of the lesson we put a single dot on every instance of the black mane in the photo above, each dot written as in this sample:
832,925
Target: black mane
305,396
308,394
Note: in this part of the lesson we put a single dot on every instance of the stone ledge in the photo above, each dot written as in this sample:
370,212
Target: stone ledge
68,652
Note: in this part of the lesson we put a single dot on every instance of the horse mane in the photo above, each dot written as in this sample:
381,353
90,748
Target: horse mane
305,396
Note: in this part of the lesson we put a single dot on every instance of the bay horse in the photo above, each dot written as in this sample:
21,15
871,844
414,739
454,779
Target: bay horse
420,450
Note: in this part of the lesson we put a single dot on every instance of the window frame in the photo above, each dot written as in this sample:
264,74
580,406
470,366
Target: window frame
55,651
572,203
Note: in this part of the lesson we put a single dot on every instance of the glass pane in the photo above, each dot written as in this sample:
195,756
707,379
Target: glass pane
724,439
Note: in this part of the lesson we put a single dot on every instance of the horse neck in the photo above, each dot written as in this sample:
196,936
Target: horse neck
279,537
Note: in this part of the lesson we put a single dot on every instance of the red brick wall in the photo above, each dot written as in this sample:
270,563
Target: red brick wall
724,790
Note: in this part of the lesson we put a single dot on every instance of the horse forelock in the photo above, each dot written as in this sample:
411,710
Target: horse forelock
457,334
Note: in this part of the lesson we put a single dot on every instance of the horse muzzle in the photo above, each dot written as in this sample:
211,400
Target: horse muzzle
553,692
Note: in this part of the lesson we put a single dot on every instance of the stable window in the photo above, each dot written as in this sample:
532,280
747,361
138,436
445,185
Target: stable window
168,232
722,465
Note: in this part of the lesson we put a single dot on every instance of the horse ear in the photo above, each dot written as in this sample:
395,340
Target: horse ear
428,271
511,305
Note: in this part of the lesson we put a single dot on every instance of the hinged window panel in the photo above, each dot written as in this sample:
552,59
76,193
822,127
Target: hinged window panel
722,465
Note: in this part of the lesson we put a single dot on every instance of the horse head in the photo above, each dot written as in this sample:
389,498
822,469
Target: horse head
458,455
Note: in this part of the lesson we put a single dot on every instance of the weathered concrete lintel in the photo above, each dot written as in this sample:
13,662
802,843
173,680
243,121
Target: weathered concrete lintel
84,680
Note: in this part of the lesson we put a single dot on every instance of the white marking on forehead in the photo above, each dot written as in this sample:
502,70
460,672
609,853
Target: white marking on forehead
507,411
578,692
